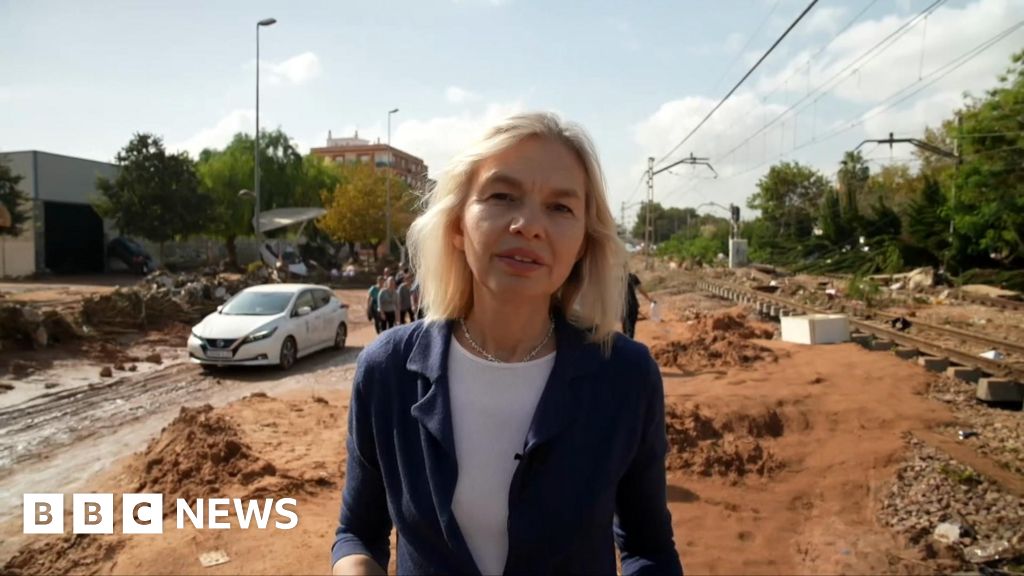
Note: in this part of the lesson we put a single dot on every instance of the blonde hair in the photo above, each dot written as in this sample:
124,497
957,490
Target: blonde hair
592,297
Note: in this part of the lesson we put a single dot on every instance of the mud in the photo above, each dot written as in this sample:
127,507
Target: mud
717,340
732,448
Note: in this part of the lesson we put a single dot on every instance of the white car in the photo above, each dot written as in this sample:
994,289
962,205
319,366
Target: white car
270,325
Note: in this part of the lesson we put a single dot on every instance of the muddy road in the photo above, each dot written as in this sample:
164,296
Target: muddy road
54,441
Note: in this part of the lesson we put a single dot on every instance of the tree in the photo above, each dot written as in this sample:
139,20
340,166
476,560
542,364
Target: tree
155,195
657,212
357,206
788,197
853,182
883,222
222,174
896,184
989,204
833,227
281,173
14,200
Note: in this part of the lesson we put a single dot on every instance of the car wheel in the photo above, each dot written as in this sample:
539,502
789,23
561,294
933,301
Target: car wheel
289,351
340,335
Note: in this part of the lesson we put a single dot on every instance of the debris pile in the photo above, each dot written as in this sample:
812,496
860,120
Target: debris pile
716,340
37,328
732,449
156,301
944,508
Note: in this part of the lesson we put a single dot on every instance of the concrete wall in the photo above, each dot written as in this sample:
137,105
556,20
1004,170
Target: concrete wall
67,179
18,254
21,164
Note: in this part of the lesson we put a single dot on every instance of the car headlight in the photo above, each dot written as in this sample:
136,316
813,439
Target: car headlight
261,335
196,334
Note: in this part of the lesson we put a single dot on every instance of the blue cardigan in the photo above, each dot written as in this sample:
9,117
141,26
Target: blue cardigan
591,473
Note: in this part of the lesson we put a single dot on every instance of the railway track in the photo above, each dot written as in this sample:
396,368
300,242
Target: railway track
780,306
990,301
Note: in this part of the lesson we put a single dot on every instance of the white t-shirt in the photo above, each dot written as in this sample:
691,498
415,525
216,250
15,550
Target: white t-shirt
492,408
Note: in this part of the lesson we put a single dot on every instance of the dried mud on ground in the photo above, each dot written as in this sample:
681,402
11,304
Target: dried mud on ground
798,460
715,340
259,447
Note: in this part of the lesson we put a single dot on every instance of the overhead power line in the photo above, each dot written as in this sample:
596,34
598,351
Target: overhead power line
901,95
830,83
742,51
740,83
824,47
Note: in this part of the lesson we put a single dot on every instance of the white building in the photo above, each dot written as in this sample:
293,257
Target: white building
64,234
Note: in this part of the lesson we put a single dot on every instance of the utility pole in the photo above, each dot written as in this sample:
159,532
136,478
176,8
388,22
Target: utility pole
256,147
954,155
956,177
648,233
651,173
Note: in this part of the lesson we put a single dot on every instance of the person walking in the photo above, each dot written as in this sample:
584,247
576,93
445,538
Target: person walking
405,299
633,304
387,303
372,310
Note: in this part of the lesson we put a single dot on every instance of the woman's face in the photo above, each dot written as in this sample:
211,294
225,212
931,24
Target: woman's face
524,221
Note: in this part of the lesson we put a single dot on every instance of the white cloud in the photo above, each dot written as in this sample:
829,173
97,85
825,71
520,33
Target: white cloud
911,119
947,34
295,70
826,20
741,116
219,134
437,140
456,95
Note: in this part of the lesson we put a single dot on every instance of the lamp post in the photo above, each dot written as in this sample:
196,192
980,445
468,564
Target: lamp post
387,225
256,151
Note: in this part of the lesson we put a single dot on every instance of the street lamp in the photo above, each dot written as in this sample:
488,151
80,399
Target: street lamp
256,151
387,225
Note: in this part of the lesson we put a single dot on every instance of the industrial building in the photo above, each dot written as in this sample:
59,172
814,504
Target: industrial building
65,234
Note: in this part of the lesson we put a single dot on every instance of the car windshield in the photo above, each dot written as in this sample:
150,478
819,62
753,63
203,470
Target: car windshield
257,304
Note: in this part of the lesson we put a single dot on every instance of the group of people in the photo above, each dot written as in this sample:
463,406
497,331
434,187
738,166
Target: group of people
393,300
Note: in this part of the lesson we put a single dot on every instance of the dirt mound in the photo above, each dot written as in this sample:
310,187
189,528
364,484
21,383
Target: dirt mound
734,322
717,340
69,554
732,448
200,454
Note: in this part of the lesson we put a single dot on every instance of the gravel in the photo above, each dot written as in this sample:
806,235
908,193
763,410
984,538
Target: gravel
931,488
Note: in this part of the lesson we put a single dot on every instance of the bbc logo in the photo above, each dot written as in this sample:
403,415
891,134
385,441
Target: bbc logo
93,513
144,513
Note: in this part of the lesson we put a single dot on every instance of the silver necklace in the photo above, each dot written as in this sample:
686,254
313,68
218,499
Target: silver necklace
487,355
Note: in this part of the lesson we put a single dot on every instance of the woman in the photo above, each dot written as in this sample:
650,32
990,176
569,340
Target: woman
512,431
387,304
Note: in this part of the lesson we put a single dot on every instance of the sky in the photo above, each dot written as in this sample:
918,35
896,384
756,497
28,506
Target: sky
79,78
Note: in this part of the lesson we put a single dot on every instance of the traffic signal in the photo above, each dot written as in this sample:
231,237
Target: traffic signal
734,210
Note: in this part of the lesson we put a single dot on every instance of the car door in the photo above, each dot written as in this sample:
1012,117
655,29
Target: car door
303,327
320,315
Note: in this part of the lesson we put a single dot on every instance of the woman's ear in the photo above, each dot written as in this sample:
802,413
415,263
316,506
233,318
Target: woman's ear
458,237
